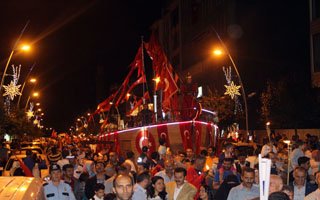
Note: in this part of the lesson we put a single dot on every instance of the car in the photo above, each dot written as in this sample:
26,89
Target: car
44,171
246,148
20,188
31,144
33,148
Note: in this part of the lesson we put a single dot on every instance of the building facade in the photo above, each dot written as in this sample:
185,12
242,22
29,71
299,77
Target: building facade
314,6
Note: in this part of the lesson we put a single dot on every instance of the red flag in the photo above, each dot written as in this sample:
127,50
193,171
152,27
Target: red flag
210,134
164,133
185,131
54,134
145,96
25,169
163,69
138,61
198,128
105,105
144,138
169,88
142,79
116,143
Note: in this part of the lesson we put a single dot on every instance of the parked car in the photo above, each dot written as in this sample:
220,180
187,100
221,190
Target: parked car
20,188
44,171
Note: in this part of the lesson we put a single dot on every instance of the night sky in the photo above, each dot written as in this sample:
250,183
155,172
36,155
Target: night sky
72,38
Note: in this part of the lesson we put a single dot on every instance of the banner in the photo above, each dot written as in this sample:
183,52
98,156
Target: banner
198,128
210,134
164,133
185,131
116,143
144,138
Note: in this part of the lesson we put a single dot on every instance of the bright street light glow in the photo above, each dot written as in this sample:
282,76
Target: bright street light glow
157,79
35,94
217,52
33,80
88,114
39,109
37,104
25,47
268,123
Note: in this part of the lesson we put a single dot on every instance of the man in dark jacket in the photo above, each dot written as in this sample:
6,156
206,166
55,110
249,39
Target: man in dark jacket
100,177
301,187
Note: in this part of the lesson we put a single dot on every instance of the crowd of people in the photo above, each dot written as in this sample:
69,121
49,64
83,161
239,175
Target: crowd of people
77,172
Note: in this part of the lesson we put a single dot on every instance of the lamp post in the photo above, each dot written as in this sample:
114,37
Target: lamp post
23,48
35,94
288,142
32,80
219,52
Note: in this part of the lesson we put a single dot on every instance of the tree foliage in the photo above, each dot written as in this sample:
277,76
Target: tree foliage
16,124
223,105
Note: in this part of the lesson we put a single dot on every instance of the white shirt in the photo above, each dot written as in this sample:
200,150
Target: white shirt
63,162
96,198
133,168
108,185
314,195
177,191
139,192
299,194
165,176
242,193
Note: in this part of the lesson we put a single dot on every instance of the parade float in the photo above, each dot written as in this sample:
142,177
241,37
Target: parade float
174,112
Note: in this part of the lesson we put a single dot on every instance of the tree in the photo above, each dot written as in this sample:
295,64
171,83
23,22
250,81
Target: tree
223,105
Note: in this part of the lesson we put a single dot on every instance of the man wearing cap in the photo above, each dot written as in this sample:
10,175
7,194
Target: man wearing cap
57,189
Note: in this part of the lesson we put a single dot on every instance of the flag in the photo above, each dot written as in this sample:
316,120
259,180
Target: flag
116,143
142,79
25,169
105,105
134,111
138,61
210,134
185,131
169,88
144,138
163,69
164,133
138,64
198,128
54,134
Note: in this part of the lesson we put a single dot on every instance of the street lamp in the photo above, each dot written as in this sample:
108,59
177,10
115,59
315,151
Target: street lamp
34,94
32,81
218,52
288,142
23,48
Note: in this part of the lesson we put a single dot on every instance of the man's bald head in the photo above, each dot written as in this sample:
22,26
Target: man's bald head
276,183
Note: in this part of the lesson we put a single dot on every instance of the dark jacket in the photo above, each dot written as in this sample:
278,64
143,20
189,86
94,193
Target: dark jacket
90,184
309,187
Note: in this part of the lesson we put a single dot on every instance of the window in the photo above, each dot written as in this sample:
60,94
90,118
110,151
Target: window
315,9
316,52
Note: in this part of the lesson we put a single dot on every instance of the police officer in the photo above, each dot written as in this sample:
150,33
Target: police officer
57,189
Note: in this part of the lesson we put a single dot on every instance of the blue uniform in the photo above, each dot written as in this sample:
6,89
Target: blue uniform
61,192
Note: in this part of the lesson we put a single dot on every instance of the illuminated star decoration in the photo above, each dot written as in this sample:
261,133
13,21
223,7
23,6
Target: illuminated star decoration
12,90
30,112
232,90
